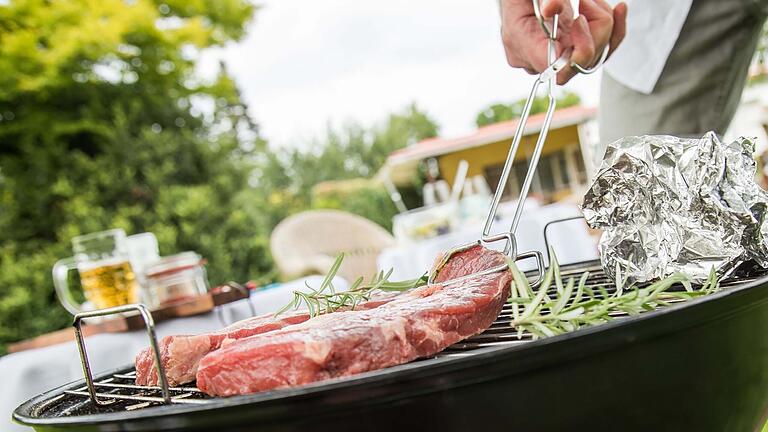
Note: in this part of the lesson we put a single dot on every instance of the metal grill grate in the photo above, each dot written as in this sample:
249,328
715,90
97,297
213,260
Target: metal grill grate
119,393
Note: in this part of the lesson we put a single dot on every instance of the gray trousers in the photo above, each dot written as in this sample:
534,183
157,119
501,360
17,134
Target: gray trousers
701,84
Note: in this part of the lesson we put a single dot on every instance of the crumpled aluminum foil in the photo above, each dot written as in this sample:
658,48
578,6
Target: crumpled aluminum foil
669,204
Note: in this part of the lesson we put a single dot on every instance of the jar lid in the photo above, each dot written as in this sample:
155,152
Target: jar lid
175,263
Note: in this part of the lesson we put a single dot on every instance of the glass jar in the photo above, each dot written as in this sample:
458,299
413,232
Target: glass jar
175,279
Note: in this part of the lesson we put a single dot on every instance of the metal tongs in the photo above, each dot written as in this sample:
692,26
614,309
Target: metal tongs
548,77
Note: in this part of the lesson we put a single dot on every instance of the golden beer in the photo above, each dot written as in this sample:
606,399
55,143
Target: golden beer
106,275
110,285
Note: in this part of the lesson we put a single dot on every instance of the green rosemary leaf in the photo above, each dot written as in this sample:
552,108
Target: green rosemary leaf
578,304
331,273
571,314
536,302
603,291
356,284
712,284
381,280
687,285
325,298
291,305
405,285
565,296
556,266
545,330
519,280
580,288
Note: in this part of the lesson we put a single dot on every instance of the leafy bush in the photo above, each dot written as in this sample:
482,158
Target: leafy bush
363,197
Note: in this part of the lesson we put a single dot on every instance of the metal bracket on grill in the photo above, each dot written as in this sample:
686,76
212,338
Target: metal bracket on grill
150,325
546,231
245,292
539,265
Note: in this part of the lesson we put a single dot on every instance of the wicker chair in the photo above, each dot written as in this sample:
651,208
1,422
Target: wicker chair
308,243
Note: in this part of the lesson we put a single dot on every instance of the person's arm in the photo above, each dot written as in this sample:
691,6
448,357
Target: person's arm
525,43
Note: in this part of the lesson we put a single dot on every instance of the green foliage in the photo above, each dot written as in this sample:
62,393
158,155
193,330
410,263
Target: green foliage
98,131
366,198
502,112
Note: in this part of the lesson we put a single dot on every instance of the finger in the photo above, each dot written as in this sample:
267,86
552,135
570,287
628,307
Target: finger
537,54
567,72
525,45
565,75
516,61
562,8
619,26
583,43
593,10
600,22
605,6
551,7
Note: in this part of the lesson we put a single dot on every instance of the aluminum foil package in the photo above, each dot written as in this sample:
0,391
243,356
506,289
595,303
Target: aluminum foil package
669,204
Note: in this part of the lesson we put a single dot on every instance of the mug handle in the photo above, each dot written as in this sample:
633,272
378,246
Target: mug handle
60,271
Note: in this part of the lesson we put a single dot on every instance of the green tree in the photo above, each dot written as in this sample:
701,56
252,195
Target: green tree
351,151
503,112
364,197
100,128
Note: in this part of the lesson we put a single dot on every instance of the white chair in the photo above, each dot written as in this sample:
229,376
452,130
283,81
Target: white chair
309,242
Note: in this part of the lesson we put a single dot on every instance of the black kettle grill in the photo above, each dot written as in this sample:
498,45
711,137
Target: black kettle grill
700,365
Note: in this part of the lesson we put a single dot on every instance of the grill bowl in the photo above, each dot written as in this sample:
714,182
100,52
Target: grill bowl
699,365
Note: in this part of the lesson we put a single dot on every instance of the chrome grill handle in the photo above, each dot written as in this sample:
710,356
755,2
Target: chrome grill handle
149,323
539,257
547,244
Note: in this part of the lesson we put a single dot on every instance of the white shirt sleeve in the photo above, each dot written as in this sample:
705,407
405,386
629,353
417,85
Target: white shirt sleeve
653,27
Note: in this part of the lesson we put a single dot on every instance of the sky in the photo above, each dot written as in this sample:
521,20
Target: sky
306,64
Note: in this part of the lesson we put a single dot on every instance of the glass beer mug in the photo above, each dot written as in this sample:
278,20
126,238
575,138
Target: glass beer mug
105,271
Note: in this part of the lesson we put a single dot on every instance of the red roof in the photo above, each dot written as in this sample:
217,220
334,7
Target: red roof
490,134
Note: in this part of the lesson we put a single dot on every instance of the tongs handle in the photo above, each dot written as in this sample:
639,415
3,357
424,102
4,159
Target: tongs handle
154,346
547,76
551,32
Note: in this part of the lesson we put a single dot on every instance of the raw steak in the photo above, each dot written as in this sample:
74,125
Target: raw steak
180,354
416,324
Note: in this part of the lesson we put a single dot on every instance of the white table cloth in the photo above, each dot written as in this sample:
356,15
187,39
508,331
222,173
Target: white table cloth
570,240
28,373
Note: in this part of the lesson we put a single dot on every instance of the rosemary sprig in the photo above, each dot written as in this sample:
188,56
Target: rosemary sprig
325,298
577,305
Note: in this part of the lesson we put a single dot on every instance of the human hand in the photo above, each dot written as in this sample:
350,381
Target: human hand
525,43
